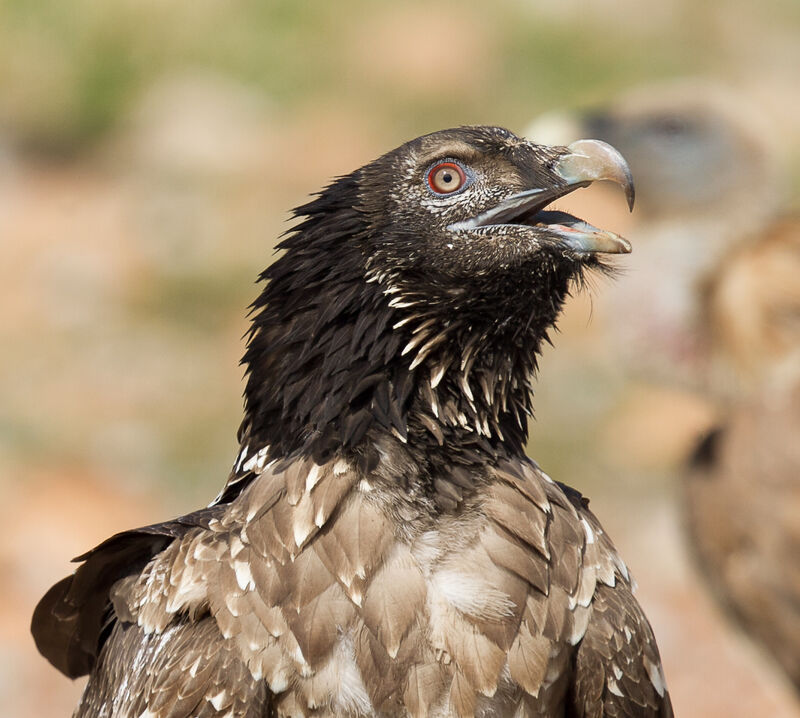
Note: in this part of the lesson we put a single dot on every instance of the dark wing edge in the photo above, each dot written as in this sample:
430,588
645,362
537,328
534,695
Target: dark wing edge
617,665
73,619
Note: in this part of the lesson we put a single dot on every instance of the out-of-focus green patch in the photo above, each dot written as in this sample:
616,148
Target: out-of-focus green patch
102,90
549,65
199,455
195,301
21,438
68,71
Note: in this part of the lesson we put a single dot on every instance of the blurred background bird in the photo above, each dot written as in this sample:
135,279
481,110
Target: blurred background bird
147,155
709,181
742,488
717,297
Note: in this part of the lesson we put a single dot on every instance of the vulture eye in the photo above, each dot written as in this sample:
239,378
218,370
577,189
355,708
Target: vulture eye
446,178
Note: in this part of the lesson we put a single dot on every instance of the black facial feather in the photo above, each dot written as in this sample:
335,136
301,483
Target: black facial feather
378,319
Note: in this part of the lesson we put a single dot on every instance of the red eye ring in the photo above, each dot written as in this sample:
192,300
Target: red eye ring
446,178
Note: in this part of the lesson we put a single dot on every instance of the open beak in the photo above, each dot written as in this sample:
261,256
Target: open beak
585,162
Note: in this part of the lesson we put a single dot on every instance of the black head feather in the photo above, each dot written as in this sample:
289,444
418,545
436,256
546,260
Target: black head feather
398,311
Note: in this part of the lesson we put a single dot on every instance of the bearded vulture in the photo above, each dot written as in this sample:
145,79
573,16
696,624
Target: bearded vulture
383,546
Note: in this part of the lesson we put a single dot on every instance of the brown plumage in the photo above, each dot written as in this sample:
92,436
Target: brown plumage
383,546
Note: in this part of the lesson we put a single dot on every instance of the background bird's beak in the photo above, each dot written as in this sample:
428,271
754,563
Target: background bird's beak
593,160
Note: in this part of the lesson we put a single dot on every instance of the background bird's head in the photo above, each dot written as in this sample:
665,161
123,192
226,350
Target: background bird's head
696,148
706,167
751,307
422,285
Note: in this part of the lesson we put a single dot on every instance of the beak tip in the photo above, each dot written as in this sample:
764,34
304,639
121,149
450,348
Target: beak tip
629,187
591,160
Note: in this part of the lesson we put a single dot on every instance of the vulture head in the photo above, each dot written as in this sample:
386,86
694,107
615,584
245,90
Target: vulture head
461,206
413,295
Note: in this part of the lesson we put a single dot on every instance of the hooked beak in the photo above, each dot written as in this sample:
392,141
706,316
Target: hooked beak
585,162
590,160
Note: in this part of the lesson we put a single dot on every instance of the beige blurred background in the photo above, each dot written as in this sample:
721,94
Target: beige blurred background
149,154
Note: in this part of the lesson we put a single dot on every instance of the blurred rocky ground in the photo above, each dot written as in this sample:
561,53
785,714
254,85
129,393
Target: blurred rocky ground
148,159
